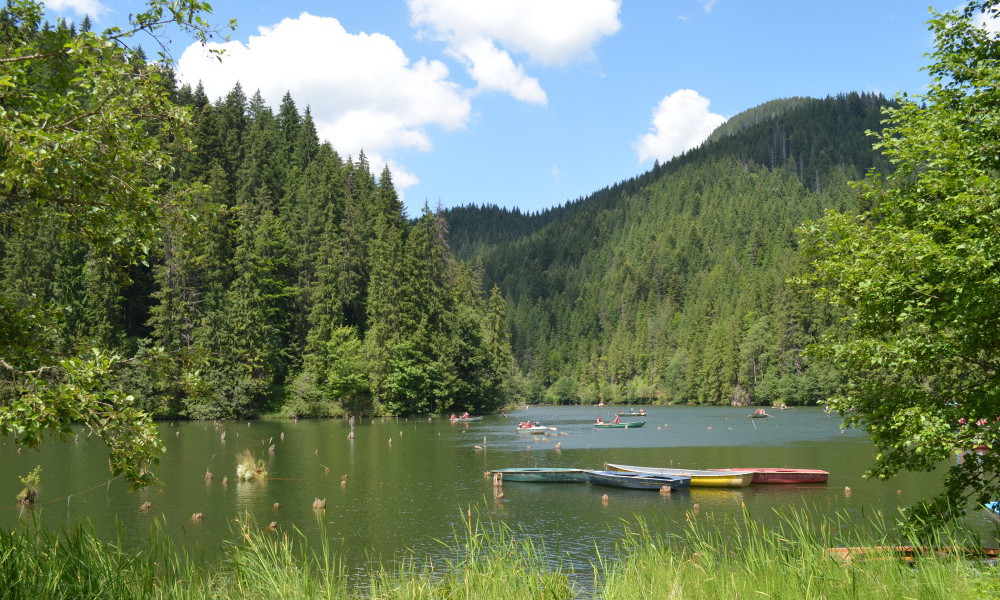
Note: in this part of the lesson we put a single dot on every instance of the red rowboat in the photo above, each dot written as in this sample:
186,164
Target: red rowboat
765,475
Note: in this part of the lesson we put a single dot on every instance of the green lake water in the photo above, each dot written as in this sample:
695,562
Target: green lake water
410,482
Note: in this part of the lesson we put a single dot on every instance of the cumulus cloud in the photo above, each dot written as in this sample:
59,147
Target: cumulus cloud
681,121
94,8
363,91
483,34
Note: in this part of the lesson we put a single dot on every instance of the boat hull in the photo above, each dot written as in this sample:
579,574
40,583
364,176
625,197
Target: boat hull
638,481
784,476
539,429
622,425
699,478
542,474
467,420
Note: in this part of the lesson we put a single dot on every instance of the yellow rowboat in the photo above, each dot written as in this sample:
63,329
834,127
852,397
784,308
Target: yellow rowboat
732,479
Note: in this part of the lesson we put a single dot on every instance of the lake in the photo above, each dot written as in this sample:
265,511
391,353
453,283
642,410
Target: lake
410,482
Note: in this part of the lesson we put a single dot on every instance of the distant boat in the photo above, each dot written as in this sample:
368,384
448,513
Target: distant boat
533,429
760,413
638,481
699,478
633,413
466,419
768,475
621,425
542,474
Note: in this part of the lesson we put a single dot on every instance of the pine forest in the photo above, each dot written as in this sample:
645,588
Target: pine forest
673,286
284,279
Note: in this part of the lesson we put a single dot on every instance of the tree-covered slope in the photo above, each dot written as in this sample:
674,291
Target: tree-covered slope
672,284
251,269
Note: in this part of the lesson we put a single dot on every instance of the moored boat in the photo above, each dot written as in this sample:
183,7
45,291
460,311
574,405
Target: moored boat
770,475
699,478
910,553
542,474
620,425
638,481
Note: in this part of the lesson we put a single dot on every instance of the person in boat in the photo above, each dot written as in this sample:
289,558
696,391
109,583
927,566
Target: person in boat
599,421
465,415
618,418
453,417
759,411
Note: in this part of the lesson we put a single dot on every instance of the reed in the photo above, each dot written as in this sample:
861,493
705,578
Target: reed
264,564
488,561
711,557
76,564
738,557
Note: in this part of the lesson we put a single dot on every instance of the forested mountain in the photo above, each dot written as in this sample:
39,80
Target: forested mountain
284,278
280,277
672,285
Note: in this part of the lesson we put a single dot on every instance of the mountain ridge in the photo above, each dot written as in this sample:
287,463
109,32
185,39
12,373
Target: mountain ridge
692,255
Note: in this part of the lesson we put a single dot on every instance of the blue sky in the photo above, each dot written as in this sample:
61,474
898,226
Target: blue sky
533,103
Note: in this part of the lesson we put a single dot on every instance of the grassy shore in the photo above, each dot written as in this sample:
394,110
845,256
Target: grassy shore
732,558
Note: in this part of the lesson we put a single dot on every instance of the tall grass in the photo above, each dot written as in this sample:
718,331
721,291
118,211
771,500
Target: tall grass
711,557
77,564
738,557
485,561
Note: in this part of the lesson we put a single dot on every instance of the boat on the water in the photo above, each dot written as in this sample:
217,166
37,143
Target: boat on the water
620,425
760,413
633,413
466,419
542,474
699,478
769,475
533,429
638,481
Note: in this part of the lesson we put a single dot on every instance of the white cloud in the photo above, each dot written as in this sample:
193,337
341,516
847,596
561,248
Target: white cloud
493,69
94,8
484,33
709,5
681,121
363,91
989,22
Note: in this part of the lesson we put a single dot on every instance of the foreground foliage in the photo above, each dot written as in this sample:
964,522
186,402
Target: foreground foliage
86,131
732,558
917,275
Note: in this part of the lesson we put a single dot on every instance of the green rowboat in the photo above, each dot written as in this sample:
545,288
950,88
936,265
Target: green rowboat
622,425
542,474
